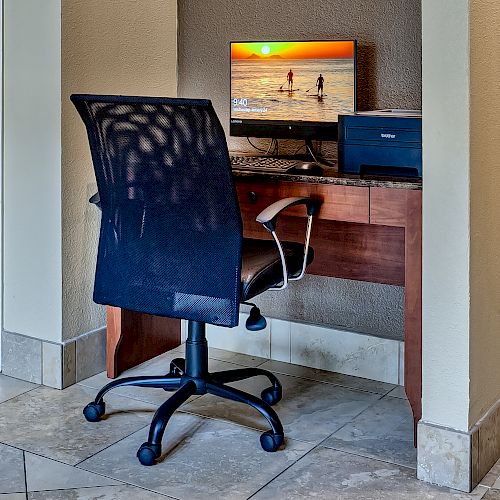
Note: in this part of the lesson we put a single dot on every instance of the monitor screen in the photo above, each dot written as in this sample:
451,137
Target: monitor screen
291,89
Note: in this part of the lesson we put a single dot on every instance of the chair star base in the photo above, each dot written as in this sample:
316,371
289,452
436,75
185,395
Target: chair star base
189,377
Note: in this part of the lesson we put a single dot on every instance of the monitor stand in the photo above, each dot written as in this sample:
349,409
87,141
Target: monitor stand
311,164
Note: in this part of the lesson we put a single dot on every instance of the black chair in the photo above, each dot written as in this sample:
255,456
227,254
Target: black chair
171,243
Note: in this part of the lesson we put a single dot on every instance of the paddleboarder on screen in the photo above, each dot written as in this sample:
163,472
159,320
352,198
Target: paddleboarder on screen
319,84
289,78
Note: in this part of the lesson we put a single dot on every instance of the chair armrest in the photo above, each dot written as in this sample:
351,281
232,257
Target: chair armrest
268,218
96,200
269,215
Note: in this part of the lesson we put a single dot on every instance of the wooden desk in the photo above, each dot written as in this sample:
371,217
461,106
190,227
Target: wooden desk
366,230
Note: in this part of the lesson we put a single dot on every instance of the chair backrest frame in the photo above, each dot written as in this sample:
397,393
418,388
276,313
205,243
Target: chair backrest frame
171,230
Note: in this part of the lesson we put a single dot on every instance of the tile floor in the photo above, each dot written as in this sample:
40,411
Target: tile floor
347,438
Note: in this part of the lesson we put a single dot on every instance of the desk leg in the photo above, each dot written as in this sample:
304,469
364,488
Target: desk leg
133,338
413,305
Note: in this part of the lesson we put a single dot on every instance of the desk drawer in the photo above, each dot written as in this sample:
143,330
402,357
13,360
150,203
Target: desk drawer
341,203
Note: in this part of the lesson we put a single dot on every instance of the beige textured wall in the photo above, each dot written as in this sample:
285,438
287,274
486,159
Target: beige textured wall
114,47
388,34
389,75
485,206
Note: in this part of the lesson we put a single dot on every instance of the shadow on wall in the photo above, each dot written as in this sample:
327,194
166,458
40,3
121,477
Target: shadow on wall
367,81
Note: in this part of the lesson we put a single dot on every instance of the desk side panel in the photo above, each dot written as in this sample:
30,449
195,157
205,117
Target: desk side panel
134,337
413,304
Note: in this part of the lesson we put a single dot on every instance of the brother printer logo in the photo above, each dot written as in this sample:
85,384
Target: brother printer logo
388,136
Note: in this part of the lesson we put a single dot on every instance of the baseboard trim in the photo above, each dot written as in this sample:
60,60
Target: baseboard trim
53,364
342,351
456,459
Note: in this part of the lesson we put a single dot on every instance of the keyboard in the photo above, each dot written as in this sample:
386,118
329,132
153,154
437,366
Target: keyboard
267,163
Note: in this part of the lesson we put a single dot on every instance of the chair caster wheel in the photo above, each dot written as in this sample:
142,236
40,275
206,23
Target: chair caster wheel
94,411
177,367
148,453
270,441
272,395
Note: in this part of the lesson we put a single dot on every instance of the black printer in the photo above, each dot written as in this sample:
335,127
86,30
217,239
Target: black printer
386,142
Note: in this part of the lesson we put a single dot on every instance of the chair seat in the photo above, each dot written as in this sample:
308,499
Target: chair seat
261,265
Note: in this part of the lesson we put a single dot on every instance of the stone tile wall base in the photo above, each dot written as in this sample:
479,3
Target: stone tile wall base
345,352
456,459
444,457
52,364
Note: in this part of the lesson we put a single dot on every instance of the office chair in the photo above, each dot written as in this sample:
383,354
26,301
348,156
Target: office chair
171,243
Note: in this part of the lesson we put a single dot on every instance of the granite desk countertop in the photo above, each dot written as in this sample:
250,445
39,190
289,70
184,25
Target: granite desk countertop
332,176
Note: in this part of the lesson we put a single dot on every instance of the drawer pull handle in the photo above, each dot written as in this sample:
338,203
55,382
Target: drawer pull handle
252,197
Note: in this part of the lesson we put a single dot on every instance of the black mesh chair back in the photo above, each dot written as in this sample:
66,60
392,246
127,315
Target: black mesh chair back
171,231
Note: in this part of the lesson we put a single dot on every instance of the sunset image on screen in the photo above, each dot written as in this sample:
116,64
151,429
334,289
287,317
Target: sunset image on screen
293,50
300,81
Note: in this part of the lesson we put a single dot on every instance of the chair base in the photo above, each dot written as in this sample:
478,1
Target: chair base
189,377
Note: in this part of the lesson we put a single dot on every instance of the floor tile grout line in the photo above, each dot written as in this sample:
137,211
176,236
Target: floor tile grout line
253,365
351,420
256,429
320,445
361,391
76,466
21,394
70,465
106,447
25,475
283,471
124,483
106,486
388,392
80,487
371,457
222,419
232,422
134,398
335,384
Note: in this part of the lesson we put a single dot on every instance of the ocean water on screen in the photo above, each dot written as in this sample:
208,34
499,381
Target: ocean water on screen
255,89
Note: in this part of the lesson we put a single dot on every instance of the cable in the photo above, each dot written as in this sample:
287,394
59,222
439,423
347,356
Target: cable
259,149
299,148
270,146
311,152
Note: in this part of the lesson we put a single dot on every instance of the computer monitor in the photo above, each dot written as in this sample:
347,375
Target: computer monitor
291,90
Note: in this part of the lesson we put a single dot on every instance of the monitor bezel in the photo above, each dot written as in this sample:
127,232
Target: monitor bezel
288,129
